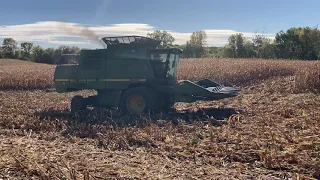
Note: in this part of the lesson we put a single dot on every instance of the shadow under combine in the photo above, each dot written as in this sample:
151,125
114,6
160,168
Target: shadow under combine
204,114
92,122
116,118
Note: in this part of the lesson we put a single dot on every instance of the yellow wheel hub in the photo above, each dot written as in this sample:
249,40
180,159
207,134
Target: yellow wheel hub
135,104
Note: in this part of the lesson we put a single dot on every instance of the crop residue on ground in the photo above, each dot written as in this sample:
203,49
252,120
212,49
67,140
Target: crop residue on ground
272,128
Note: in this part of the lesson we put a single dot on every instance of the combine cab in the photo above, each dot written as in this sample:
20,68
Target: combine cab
132,74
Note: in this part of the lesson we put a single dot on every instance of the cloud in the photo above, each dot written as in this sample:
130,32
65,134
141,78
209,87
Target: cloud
61,32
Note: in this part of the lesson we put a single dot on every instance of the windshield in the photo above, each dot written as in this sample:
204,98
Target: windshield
160,57
172,65
164,64
158,61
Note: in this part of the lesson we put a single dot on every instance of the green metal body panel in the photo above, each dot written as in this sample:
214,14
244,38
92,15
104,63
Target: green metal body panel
108,98
96,71
206,90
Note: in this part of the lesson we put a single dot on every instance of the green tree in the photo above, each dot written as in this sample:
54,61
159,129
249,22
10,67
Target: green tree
298,43
310,39
9,48
198,38
240,40
263,47
196,46
165,38
215,52
1,51
267,50
18,54
249,49
37,54
236,43
26,48
231,49
48,56
228,51
187,50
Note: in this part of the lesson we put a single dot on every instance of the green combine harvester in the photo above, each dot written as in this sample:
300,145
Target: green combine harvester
133,75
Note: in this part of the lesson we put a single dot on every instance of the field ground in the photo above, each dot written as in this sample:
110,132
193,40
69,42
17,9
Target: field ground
270,131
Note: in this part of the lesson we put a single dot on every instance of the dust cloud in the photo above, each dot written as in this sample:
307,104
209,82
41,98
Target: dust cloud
76,30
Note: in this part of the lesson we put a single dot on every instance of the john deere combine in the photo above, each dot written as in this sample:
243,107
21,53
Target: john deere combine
132,74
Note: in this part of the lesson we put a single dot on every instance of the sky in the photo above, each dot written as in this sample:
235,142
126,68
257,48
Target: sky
82,22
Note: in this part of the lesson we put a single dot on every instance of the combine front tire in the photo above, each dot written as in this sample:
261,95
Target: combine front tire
77,104
137,100
167,103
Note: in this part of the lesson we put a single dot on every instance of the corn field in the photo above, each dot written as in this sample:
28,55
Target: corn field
270,131
239,72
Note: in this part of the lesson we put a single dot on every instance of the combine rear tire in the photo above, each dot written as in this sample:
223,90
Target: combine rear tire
77,104
137,100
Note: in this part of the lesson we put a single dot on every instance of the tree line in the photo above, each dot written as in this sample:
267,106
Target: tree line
296,43
27,51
